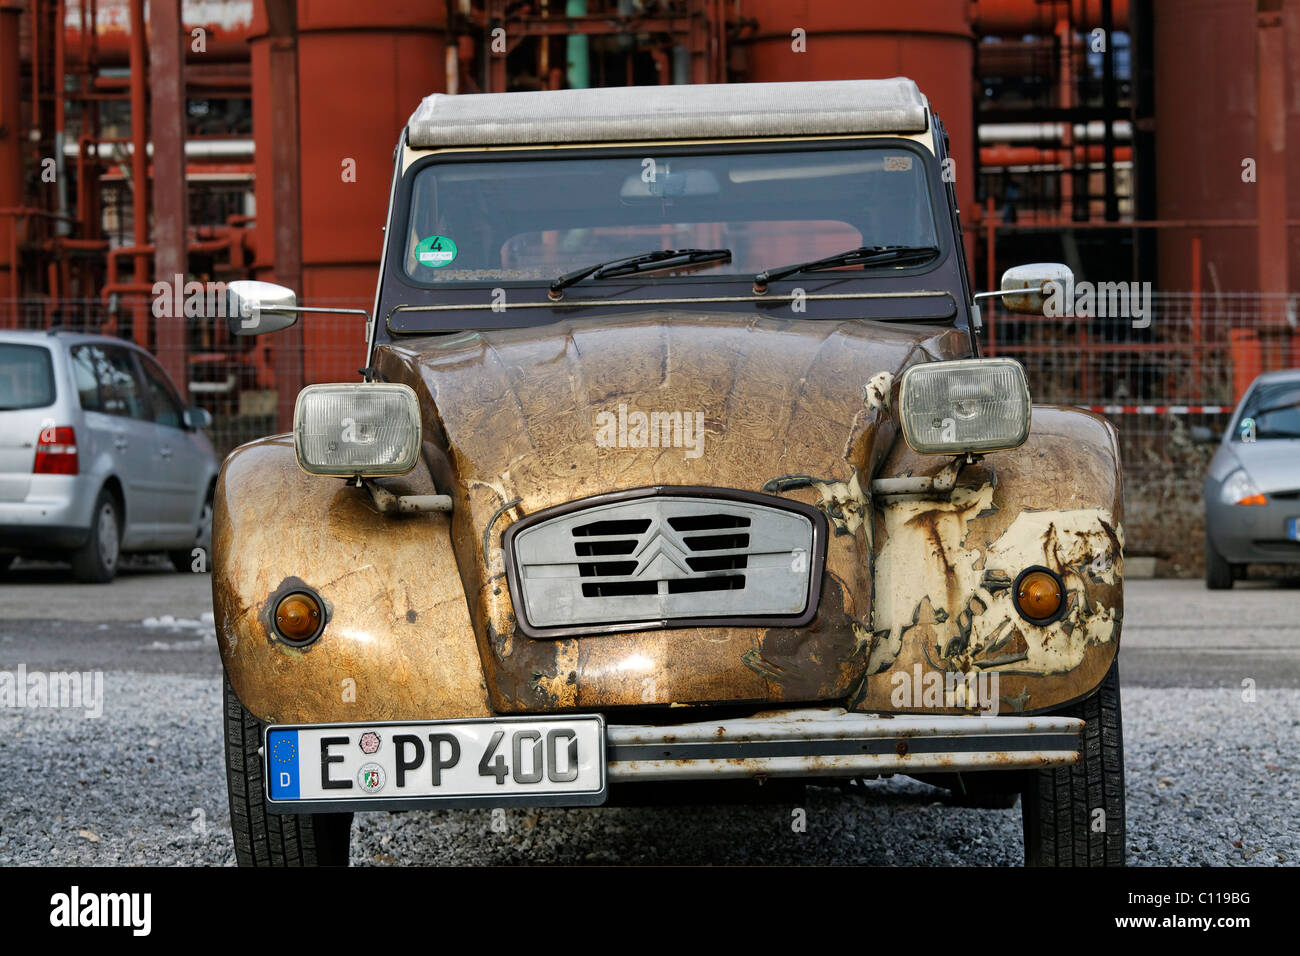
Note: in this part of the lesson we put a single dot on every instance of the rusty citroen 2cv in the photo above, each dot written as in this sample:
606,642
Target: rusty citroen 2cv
674,467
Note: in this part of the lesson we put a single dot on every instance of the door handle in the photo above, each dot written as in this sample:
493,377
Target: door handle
165,451
119,443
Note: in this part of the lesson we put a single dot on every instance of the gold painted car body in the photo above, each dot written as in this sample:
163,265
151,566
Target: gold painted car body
420,619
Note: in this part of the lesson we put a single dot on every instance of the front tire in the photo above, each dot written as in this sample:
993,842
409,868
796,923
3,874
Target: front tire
1218,572
1074,816
272,839
95,562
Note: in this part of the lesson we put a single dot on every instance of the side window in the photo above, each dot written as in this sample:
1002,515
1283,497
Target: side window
83,373
166,408
118,384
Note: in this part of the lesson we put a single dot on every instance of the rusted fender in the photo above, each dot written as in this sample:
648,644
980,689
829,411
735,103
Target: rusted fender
397,645
943,571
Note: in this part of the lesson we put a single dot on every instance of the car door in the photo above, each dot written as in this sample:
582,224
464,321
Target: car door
180,465
135,454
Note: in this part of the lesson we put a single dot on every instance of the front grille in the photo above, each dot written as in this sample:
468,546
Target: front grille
713,542
664,557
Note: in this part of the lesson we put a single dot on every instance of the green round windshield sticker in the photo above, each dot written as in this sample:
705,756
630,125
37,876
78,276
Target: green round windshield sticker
435,251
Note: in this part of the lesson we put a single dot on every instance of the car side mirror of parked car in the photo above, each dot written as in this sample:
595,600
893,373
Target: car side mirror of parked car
1030,289
256,308
196,418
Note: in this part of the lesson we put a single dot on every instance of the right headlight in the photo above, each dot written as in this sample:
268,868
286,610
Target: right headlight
967,405
366,429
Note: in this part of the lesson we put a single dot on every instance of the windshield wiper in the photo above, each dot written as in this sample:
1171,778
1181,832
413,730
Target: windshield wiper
863,255
659,259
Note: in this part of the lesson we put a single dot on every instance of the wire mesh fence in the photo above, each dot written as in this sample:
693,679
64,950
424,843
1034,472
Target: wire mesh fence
1184,361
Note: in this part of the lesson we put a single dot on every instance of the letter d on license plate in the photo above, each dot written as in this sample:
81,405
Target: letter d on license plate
497,762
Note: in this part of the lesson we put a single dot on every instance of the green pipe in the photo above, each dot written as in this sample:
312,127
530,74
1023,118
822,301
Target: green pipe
576,52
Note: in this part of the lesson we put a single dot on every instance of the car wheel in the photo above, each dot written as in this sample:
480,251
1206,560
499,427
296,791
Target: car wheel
1074,816
272,839
95,562
1218,572
184,560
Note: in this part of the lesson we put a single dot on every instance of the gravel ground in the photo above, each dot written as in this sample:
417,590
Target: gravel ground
1211,780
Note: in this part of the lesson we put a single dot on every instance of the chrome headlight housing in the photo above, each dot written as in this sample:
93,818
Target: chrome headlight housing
368,429
967,405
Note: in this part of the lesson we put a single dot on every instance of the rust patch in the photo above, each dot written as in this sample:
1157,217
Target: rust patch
817,662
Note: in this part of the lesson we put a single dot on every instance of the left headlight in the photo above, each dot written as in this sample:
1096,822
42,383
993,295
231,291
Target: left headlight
369,429
967,405
1238,489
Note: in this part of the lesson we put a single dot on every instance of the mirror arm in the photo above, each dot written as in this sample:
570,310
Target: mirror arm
989,295
300,308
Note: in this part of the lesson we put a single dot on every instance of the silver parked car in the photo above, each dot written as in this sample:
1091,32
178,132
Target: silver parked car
98,455
1252,489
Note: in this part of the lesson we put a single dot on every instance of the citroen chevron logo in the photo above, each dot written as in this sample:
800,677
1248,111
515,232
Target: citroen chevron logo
662,541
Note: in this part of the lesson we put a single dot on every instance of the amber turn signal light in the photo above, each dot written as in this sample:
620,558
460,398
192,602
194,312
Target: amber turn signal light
299,617
1038,595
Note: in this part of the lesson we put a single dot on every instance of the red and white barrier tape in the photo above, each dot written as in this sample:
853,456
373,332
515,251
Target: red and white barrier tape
1159,409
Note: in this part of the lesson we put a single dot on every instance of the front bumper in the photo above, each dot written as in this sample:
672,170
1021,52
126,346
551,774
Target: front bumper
831,742
325,768
1245,534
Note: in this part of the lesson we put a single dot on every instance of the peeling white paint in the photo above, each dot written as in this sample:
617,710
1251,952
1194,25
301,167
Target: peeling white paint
875,394
845,504
930,587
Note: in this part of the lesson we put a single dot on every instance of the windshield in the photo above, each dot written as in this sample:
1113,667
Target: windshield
1271,411
538,219
26,377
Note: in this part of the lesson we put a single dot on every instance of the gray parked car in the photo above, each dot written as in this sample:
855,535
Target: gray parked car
1252,489
98,455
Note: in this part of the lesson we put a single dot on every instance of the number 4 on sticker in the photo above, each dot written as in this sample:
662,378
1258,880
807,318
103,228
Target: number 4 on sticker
435,251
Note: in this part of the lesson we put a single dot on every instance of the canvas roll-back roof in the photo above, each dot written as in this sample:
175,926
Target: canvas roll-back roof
702,111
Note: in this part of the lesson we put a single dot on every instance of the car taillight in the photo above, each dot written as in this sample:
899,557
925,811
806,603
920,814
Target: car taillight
56,452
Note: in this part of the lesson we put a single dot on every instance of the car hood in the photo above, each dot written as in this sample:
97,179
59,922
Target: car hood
519,420
1273,464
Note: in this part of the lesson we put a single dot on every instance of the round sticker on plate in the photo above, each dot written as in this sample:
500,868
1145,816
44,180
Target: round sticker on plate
435,251
371,777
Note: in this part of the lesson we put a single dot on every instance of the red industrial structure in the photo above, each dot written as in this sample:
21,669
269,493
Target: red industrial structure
1132,139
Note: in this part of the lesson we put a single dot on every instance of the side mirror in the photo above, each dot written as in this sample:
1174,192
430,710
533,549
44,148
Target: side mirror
1028,289
256,308
196,418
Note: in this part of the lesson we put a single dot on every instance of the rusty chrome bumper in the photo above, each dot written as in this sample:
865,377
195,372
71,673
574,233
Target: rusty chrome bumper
831,742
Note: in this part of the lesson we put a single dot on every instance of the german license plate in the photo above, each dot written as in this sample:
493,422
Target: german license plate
1293,528
493,762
